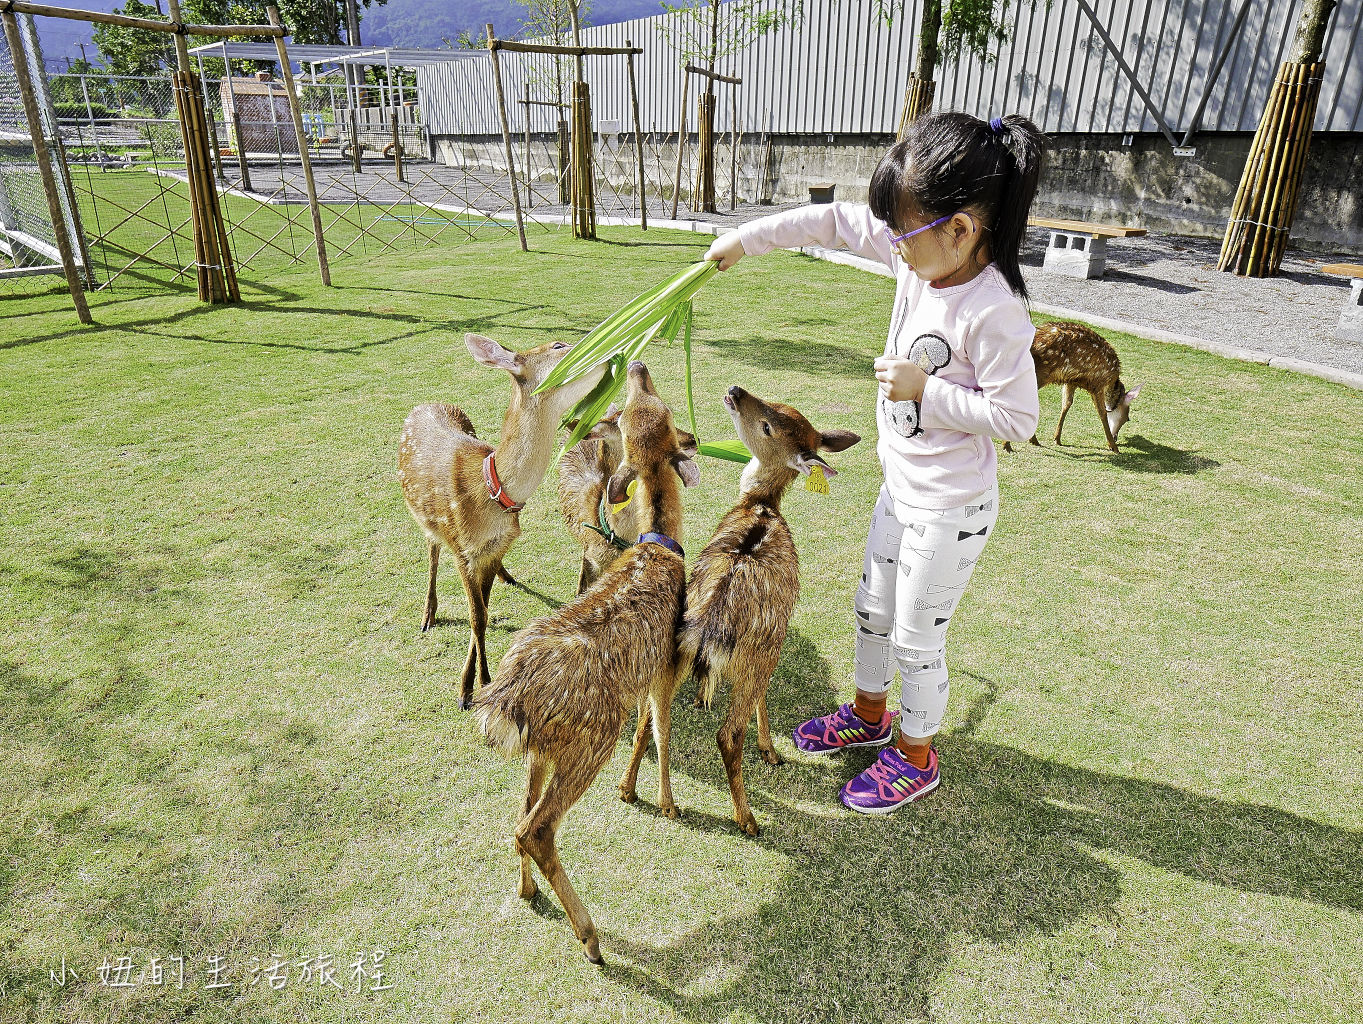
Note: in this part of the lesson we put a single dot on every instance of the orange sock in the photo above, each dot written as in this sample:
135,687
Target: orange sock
917,754
870,707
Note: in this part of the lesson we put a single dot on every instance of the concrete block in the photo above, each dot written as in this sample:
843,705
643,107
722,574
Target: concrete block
1075,255
1351,316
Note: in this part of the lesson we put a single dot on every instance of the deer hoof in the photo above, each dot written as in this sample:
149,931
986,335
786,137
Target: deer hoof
594,956
670,811
772,757
628,795
529,890
466,704
750,826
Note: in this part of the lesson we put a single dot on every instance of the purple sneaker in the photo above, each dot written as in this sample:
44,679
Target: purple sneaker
842,729
890,782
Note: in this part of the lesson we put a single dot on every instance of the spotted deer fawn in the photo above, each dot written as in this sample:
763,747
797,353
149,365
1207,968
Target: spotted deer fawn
583,472
565,687
744,584
1075,356
466,494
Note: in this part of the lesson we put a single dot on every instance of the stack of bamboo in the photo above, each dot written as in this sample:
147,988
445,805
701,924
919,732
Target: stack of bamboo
1266,202
705,172
217,276
918,99
584,182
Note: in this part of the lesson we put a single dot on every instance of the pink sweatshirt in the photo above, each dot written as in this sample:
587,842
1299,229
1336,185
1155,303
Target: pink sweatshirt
973,339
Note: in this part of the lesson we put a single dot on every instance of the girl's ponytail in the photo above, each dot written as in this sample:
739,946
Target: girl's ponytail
1025,143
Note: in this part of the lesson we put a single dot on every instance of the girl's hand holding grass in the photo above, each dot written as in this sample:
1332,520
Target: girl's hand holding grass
900,379
727,249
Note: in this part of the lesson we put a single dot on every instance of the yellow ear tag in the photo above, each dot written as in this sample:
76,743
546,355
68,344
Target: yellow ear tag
817,482
634,486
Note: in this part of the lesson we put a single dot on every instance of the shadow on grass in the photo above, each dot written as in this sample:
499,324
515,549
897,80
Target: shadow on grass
803,356
871,910
1137,454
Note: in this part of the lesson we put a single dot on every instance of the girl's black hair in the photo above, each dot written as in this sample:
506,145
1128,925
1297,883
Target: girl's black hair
953,161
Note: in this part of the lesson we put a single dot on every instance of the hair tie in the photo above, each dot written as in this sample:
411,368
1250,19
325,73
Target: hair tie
996,125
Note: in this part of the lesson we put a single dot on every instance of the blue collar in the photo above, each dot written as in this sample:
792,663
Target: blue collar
664,540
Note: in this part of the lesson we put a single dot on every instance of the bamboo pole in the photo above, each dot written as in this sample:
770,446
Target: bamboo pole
733,149
584,185
529,192
355,135
397,149
705,144
174,26
565,170
44,159
1255,173
1282,152
506,137
242,162
564,51
638,140
681,141
195,200
296,111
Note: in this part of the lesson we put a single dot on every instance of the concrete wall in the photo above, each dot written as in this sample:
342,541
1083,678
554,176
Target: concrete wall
1088,177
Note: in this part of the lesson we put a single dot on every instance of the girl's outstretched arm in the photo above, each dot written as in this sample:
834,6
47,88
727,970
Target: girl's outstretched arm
849,226
999,344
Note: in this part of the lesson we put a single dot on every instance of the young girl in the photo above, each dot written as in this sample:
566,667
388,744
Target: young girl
948,209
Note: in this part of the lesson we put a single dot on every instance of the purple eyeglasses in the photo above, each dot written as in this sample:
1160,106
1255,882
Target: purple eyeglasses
896,239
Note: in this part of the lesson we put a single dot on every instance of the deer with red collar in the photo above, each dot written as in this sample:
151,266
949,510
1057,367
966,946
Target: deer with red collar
467,495
745,582
568,682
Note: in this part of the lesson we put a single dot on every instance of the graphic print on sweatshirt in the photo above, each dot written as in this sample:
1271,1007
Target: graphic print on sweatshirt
931,352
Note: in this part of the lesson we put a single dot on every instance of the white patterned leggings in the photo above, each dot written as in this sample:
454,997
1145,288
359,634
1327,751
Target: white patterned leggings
918,562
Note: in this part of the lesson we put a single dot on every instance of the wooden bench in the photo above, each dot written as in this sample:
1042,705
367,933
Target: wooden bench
1351,316
1078,248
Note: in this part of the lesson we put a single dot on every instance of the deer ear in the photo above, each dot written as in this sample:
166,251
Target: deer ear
617,486
686,441
489,353
686,469
806,461
838,440
1130,396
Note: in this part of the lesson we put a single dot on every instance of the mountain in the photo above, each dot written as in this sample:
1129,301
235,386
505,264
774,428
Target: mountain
397,23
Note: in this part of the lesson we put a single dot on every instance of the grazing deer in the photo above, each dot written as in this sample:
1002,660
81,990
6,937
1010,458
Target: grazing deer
568,682
744,585
583,472
1072,355
466,494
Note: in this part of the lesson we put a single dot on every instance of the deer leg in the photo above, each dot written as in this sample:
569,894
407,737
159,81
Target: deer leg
484,675
428,616
629,784
1067,399
534,785
764,744
1102,417
730,737
661,699
537,834
506,577
473,587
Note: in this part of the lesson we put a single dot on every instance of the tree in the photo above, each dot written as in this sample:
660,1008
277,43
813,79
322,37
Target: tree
948,27
1266,201
707,30
551,19
133,51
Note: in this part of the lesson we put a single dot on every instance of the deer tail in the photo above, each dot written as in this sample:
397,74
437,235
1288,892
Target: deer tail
503,729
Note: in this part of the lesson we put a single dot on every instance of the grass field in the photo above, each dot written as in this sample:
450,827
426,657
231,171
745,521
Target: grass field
225,737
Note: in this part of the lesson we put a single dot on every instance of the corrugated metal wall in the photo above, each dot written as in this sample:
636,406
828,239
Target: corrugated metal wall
841,69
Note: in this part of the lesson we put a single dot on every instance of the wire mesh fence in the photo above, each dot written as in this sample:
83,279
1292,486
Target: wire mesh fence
28,241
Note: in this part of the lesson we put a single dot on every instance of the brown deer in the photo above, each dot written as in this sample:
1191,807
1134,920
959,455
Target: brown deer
745,583
583,472
466,494
1072,355
568,682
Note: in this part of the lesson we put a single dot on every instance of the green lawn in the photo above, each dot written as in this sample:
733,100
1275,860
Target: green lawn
224,735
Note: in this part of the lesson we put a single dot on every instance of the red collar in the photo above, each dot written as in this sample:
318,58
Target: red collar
494,486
